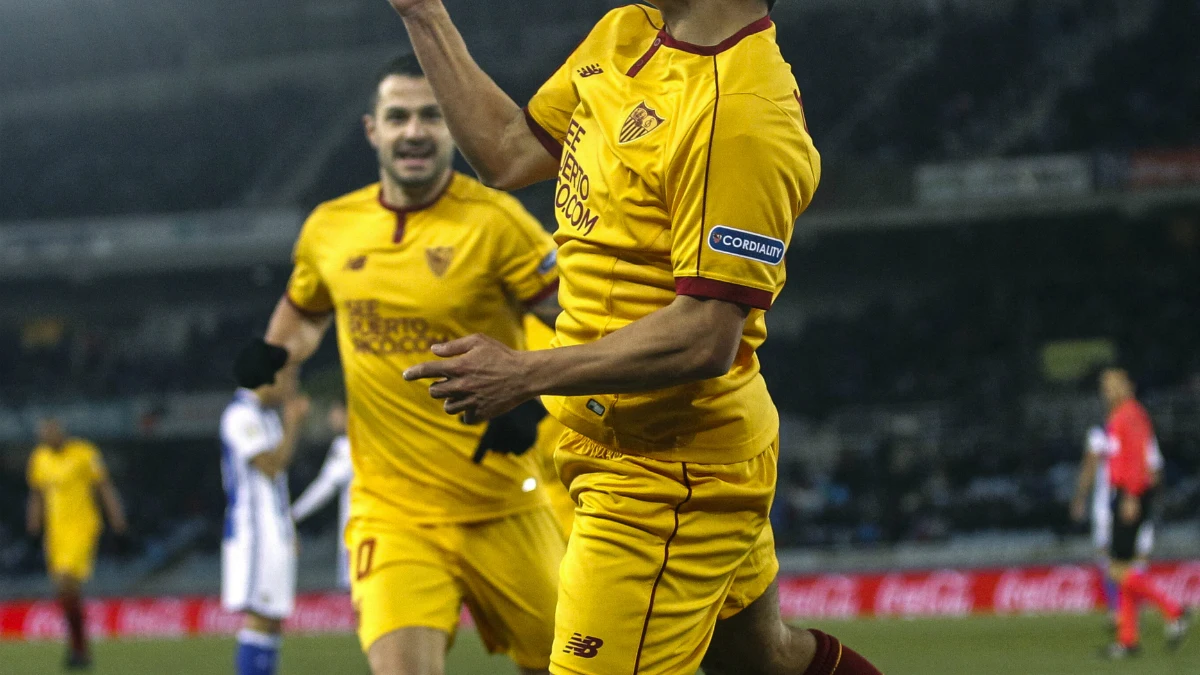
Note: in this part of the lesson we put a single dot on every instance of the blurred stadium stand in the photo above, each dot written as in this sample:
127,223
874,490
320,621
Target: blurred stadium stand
1004,209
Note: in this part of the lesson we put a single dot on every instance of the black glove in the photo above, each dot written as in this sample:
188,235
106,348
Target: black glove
512,433
257,363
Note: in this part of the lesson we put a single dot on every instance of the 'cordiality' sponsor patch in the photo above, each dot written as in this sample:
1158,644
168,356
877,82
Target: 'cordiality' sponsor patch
743,244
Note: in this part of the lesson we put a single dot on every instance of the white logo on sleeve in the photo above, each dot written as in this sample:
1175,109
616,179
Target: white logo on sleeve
748,245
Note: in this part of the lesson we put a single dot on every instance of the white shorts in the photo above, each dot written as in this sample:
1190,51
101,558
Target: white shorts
258,571
1102,532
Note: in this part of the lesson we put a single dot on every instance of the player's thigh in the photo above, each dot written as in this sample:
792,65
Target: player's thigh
401,578
416,650
510,573
651,559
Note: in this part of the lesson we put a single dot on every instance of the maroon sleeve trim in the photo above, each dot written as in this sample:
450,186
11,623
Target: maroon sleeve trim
310,313
698,287
549,142
543,294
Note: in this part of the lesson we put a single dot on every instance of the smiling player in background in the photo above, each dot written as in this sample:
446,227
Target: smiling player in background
424,256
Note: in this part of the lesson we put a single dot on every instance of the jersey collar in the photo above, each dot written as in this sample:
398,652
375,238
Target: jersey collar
402,213
712,50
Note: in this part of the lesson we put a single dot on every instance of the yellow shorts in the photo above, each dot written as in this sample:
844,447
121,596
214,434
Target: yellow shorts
71,554
505,570
659,552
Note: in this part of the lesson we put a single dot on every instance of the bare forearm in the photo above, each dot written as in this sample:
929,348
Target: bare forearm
488,126
280,458
687,341
1087,474
296,332
33,513
113,509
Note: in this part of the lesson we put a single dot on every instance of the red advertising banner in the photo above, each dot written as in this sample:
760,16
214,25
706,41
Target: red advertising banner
1165,168
1058,589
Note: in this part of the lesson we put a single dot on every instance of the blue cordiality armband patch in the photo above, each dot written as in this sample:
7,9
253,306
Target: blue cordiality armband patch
548,262
748,245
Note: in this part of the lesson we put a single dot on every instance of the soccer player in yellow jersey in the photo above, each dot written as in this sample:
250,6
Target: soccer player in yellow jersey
678,139
539,336
425,256
66,475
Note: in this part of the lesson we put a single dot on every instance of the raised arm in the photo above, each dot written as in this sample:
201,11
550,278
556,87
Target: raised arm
279,458
488,126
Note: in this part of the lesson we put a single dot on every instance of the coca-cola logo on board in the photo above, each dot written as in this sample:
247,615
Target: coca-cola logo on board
942,593
830,596
1061,589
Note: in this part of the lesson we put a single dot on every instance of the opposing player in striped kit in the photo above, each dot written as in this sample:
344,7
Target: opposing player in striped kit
258,549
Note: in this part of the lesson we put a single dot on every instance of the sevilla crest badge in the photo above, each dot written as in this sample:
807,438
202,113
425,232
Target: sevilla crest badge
640,122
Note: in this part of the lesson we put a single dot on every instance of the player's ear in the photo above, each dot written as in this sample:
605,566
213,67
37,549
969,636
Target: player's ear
369,129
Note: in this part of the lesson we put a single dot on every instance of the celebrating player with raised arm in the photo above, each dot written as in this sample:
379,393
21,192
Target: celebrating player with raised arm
425,256
66,476
679,142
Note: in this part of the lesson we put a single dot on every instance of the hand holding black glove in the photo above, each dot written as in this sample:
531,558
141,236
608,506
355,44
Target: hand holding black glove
512,433
257,363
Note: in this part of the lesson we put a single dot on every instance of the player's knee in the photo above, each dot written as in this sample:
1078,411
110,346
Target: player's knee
769,650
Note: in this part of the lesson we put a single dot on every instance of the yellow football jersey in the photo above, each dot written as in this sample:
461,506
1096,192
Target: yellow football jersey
66,479
400,282
683,170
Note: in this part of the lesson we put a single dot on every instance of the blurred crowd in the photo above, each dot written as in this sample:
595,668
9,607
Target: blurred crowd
950,328
904,85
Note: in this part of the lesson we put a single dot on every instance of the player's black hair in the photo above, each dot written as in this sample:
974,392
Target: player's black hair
770,5
405,65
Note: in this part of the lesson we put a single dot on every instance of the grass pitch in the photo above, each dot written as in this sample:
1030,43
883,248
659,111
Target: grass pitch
977,646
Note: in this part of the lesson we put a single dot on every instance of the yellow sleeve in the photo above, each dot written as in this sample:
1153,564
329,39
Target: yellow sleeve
33,472
740,177
306,290
527,257
549,112
97,471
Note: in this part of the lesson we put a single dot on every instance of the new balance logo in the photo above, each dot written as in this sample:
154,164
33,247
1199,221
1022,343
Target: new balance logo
588,71
356,263
583,646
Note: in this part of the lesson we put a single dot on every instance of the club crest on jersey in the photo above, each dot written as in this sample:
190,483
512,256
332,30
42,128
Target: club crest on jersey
439,258
640,122
745,244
